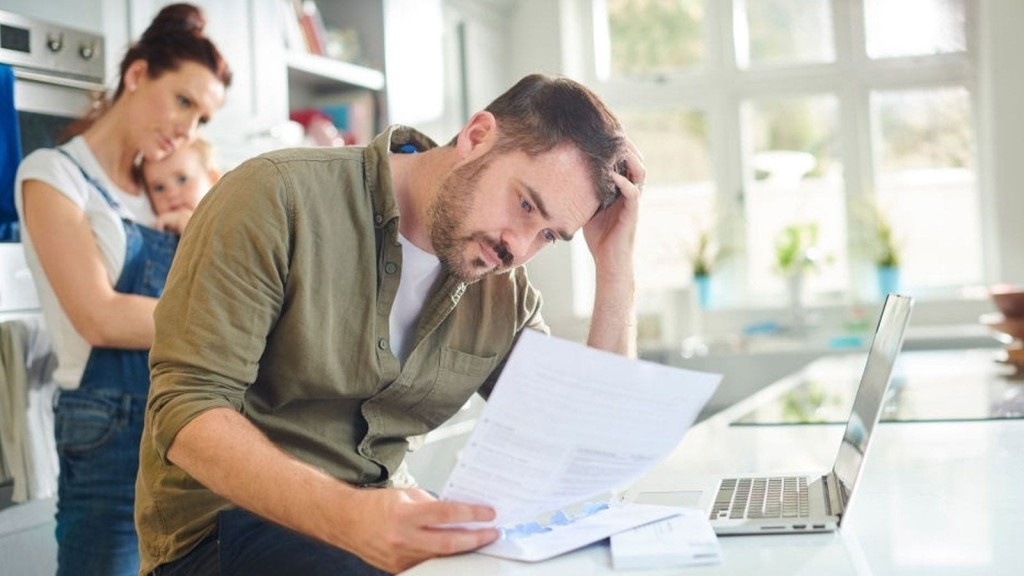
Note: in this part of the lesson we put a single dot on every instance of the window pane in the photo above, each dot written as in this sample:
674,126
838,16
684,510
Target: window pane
926,180
655,37
897,28
678,202
678,196
794,178
783,32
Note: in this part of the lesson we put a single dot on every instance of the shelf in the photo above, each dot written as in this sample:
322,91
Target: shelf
321,73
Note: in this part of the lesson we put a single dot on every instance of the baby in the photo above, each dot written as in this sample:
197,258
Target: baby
177,183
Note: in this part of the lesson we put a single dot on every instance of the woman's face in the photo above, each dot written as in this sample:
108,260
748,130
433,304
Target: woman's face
167,111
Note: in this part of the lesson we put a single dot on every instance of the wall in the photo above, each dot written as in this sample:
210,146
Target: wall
1000,94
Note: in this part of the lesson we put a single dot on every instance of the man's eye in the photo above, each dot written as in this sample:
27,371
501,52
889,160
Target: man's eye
550,237
158,188
525,205
184,102
181,179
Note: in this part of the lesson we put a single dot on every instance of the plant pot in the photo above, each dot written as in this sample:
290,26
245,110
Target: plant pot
702,282
888,280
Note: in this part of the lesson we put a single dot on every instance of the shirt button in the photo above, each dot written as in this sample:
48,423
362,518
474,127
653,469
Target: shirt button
382,344
390,267
378,218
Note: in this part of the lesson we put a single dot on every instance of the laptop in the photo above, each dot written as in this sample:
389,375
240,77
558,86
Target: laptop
796,503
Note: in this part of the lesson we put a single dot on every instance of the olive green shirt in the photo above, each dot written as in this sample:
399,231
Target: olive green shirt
277,306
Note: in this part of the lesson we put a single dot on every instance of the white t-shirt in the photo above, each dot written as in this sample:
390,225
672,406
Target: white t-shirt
51,167
419,271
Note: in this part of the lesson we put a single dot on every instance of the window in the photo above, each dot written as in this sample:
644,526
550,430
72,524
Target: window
770,114
653,37
783,32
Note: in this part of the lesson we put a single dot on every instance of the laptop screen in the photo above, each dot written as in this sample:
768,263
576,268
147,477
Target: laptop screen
867,406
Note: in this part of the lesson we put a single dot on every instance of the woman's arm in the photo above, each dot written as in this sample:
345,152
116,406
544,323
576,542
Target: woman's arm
74,267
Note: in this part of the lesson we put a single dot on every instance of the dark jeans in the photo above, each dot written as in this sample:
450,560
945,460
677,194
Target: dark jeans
245,544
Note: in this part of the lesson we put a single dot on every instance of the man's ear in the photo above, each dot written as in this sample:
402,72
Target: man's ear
478,135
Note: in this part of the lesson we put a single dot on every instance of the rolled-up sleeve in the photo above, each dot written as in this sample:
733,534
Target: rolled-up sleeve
223,296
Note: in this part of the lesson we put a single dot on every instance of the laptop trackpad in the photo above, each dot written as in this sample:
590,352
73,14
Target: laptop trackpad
690,499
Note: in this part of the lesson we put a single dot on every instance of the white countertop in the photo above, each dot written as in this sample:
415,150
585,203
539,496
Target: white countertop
937,498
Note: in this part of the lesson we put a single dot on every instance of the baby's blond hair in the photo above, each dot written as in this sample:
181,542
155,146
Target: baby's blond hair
207,157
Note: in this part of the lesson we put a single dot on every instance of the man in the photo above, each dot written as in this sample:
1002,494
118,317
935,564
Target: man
326,305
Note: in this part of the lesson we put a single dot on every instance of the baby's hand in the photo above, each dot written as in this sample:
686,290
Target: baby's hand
174,221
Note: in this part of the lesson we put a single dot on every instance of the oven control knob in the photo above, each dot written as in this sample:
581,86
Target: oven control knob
55,43
87,51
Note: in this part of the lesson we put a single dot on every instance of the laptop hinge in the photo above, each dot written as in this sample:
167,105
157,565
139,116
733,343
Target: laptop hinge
835,497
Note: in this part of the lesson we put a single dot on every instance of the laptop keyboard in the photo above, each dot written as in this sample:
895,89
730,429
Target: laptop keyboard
775,497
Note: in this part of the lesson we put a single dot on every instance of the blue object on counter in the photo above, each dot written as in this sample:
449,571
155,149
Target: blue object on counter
761,328
846,341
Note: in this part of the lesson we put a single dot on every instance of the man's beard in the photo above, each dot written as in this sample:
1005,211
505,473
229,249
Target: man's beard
446,215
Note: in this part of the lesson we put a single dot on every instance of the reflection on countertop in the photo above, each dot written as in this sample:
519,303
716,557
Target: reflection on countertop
932,386
751,360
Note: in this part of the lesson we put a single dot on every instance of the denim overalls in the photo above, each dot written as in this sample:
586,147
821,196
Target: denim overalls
99,425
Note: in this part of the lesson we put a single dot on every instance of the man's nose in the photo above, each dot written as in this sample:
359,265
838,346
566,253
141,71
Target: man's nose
521,244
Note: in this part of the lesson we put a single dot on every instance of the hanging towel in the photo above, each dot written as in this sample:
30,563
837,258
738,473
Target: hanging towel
27,390
10,154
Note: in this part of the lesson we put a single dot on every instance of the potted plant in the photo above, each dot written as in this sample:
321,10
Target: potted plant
797,252
883,246
704,255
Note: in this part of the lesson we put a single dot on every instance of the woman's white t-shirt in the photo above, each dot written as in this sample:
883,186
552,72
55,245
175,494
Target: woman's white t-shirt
53,168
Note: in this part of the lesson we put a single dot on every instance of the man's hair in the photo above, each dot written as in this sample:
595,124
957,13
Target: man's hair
543,112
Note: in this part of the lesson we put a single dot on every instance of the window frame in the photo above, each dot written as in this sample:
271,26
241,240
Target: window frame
720,87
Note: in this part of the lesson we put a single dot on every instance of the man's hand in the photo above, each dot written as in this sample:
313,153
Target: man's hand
395,529
611,232
610,236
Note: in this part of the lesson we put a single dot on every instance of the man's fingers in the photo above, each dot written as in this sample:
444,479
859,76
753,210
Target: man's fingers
439,513
447,541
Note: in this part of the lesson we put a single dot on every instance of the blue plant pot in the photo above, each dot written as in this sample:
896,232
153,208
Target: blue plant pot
703,284
888,280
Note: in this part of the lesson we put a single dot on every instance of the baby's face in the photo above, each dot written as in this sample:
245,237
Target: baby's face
178,181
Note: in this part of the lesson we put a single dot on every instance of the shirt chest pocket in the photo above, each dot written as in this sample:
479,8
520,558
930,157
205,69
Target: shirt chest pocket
459,376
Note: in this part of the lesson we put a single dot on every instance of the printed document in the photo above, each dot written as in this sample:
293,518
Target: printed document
567,423
686,539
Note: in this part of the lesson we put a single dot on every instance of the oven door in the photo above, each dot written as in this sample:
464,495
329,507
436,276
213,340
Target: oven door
45,105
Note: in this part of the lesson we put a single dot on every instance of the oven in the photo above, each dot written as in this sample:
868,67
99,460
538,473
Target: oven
56,72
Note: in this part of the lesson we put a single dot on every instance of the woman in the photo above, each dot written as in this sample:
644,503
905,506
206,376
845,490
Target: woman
99,269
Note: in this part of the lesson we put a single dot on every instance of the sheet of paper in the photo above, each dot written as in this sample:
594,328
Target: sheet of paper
566,423
553,539
685,539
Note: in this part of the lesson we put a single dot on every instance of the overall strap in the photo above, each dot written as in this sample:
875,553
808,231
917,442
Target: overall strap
95,183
